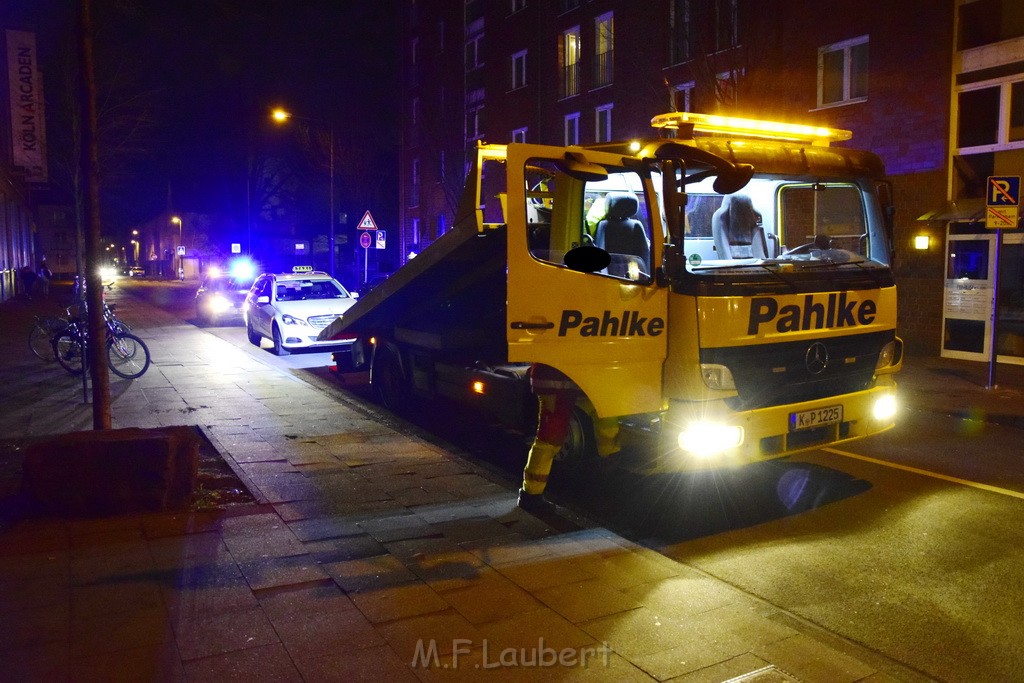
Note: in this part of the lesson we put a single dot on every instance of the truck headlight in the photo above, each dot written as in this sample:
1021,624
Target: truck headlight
717,376
884,408
706,439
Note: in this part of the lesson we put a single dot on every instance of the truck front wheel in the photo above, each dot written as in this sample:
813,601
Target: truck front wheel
580,444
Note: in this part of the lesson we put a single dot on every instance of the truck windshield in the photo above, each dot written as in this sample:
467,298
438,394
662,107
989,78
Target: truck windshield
775,221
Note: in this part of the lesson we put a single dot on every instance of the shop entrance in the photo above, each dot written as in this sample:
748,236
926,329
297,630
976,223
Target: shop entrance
969,288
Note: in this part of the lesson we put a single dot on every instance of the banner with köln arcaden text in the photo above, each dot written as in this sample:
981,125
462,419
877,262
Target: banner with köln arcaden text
28,123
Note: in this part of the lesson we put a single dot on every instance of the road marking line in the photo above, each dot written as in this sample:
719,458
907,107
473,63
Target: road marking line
934,475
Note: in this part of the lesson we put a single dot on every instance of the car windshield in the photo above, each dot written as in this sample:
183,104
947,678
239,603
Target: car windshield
300,290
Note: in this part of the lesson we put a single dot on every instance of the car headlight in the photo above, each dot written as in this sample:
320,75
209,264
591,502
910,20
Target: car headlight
219,304
292,320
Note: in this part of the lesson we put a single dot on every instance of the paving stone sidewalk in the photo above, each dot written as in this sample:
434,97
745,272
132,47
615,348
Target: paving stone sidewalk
371,554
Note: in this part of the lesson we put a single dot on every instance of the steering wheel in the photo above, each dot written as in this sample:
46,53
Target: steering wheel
821,242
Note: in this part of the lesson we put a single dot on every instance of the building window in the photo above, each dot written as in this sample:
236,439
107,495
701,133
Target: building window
414,183
727,86
988,21
603,123
569,61
519,70
415,112
843,72
518,5
567,5
682,97
519,135
572,129
991,116
415,236
604,48
474,54
682,31
473,123
1016,132
414,49
442,224
726,25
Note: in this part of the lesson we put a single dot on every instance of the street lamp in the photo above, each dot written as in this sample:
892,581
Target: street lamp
281,116
181,259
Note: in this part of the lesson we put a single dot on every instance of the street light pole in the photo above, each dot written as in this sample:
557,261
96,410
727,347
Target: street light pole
181,259
281,115
330,233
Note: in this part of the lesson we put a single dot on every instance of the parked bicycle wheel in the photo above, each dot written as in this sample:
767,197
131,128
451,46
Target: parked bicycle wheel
127,356
68,349
40,338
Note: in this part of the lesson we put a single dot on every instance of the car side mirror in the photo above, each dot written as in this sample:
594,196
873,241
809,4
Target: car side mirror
263,299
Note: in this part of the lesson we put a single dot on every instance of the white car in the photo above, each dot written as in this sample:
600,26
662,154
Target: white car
290,309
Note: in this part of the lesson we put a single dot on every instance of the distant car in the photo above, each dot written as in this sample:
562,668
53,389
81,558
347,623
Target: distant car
220,298
290,309
136,271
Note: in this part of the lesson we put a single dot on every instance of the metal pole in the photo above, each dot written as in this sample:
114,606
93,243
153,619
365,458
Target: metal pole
995,314
330,233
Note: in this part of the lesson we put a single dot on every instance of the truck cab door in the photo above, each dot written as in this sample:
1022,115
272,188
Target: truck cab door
584,240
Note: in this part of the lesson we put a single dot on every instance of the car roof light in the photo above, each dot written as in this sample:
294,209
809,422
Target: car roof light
710,124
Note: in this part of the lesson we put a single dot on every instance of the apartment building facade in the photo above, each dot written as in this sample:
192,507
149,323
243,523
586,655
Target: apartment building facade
582,71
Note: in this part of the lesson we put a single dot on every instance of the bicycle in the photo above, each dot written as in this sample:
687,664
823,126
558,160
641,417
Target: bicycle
127,355
44,330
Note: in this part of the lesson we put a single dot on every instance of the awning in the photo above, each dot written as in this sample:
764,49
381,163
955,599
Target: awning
961,210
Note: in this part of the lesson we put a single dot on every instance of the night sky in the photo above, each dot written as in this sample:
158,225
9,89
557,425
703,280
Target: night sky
186,87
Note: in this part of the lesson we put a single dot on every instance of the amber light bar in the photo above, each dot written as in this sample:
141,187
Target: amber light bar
731,125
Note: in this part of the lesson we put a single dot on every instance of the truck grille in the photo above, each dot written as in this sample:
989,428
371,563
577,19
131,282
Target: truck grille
321,321
776,374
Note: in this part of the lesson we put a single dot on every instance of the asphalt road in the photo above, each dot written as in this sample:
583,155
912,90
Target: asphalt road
910,543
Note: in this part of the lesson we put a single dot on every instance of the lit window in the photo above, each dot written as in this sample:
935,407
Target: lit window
604,48
569,61
518,5
843,72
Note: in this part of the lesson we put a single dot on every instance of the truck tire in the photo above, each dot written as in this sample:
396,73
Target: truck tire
388,379
580,445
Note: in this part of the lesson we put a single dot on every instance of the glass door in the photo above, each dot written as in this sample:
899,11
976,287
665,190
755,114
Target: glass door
967,300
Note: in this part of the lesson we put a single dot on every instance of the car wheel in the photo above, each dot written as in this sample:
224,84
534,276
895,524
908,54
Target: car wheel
279,349
254,337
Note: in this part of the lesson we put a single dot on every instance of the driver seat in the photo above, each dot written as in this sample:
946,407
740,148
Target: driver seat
620,233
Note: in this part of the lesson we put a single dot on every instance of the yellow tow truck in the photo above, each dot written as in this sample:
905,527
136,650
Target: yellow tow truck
725,286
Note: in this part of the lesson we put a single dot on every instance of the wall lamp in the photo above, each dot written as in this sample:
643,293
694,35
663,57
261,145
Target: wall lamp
922,242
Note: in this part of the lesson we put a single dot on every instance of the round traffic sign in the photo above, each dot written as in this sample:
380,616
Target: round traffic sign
364,240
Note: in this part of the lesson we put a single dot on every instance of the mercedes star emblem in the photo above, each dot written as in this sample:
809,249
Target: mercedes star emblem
816,359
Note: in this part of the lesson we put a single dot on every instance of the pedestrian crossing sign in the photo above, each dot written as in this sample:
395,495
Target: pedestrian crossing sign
367,222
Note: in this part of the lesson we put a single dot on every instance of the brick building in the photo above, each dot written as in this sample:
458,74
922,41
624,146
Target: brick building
566,71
